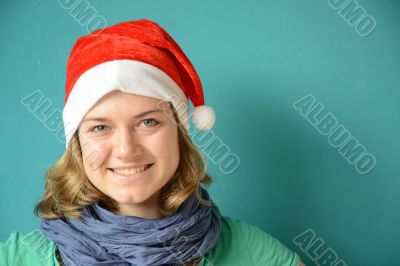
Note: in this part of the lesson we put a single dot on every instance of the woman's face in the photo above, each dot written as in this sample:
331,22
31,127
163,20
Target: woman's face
128,131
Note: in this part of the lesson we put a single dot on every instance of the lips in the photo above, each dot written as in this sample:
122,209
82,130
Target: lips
128,175
133,167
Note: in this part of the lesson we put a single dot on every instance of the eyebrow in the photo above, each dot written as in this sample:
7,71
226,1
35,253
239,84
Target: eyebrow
101,119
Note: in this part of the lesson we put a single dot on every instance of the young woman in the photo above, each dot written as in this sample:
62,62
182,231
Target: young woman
127,191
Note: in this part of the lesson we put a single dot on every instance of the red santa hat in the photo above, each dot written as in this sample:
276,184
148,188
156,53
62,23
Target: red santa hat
137,57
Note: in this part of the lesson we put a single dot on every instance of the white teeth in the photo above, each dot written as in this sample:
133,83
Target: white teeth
131,171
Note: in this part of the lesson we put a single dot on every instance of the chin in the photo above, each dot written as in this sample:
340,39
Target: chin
131,197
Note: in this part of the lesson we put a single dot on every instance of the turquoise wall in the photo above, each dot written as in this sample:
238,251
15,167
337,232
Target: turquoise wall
284,77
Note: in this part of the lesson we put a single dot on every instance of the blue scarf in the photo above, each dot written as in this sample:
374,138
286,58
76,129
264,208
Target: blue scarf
101,237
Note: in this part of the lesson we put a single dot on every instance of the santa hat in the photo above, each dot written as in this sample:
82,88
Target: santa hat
137,57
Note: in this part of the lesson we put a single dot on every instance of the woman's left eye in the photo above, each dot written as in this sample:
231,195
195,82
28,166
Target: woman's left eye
98,127
150,122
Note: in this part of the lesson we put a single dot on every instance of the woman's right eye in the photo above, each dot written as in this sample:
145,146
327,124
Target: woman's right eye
97,127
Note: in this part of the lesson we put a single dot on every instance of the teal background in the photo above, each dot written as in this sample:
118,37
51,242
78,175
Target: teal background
255,59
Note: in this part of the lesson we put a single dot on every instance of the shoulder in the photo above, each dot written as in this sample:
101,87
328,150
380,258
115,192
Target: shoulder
31,248
241,243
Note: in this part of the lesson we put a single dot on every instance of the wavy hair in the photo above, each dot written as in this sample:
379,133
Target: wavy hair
68,189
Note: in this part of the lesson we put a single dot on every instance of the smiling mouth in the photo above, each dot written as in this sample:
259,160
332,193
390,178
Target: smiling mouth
131,172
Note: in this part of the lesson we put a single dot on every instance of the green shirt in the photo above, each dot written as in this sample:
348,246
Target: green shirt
240,244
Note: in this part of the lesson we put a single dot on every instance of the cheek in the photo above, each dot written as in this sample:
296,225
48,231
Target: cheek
166,150
93,155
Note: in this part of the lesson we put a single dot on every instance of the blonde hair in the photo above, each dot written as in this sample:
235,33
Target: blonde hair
68,188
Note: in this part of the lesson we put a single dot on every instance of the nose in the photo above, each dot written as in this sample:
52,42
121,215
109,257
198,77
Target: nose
126,144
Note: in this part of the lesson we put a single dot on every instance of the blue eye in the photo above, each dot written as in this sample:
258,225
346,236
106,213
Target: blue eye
99,126
150,120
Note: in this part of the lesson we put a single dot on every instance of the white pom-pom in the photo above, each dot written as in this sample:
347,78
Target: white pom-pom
203,117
